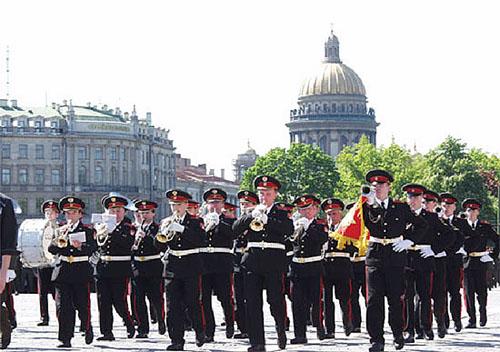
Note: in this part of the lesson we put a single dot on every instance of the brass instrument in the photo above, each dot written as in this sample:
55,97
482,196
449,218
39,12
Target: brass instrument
210,224
165,236
102,234
257,224
139,235
61,235
299,230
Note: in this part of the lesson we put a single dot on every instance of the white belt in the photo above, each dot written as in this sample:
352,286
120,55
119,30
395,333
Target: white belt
418,247
289,253
145,258
216,250
115,258
302,260
266,245
358,259
385,241
72,259
477,254
184,252
337,254
440,255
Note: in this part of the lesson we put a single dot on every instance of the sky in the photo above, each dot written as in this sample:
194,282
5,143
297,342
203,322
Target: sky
218,74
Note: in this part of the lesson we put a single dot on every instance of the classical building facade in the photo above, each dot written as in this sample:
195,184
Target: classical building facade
243,162
50,152
332,106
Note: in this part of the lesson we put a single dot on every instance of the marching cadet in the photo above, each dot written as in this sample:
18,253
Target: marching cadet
454,259
306,269
338,271
387,221
217,258
147,270
51,211
180,237
248,201
114,268
73,273
478,237
265,261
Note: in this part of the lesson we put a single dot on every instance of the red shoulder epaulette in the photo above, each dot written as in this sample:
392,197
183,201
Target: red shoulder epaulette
486,222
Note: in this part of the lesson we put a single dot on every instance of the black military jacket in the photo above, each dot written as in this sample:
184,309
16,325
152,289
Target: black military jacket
277,229
310,244
75,272
334,264
147,247
119,243
457,225
221,236
477,240
240,244
395,221
8,227
192,238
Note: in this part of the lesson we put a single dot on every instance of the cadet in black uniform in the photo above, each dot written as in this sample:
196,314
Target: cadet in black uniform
73,273
147,270
50,209
184,236
265,261
454,260
248,201
306,269
479,236
217,258
388,221
114,268
338,271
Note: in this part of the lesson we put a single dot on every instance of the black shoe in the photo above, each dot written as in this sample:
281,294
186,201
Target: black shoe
471,326
130,331
458,326
162,328
481,323
410,338
429,335
153,321
420,336
356,330
399,342
107,337
229,331
89,337
282,340
298,341
176,347
348,330
43,323
442,331
376,347
209,339
201,339
320,333
330,335
13,324
65,344
241,335
141,335
257,348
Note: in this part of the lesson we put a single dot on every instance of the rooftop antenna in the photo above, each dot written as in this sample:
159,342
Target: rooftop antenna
7,70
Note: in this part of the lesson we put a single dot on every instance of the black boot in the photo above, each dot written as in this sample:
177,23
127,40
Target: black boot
399,342
458,326
89,336
43,323
441,330
410,338
162,328
241,335
429,334
65,344
282,339
229,331
200,339
257,348
298,341
106,337
176,347
376,347
130,331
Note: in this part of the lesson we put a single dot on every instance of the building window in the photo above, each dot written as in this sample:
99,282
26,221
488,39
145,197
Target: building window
38,124
114,176
125,177
56,152
39,202
23,176
98,153
5,151
5,123
82,175
54,124
113,153
56,177
23,204
98,175
23,151
123,153
39,151
82,153
21,123
5,176
39,176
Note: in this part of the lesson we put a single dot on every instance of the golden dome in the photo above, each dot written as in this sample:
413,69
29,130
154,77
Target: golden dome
333,78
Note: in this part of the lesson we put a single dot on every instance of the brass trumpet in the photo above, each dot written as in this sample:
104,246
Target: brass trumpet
257,224
61,235
102,234
299,230
165,236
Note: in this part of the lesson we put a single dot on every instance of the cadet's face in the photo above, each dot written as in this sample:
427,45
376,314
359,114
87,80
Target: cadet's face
192,211
415,202
430,205
449,209
72,215
119,212
246,206
147,215
51,214
230,214
179,208
472,214
267,196
335,215
309,212
215,207
382,190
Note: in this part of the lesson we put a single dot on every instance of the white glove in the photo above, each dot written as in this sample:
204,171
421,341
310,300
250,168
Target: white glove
211,218
175,227
263,218
302,222
486,258
261,208
402,245
461,251
256,213
427,252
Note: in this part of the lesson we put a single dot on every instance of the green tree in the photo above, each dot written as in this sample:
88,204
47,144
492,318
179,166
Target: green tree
300,169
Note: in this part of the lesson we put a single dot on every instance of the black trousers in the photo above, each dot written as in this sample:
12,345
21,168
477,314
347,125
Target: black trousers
475,285
181,293
418,311
341,282
45,287
358,284
306,292
71,297
384,281
222,285
274,282
240,313
112,292
152,287
454,281
439,290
